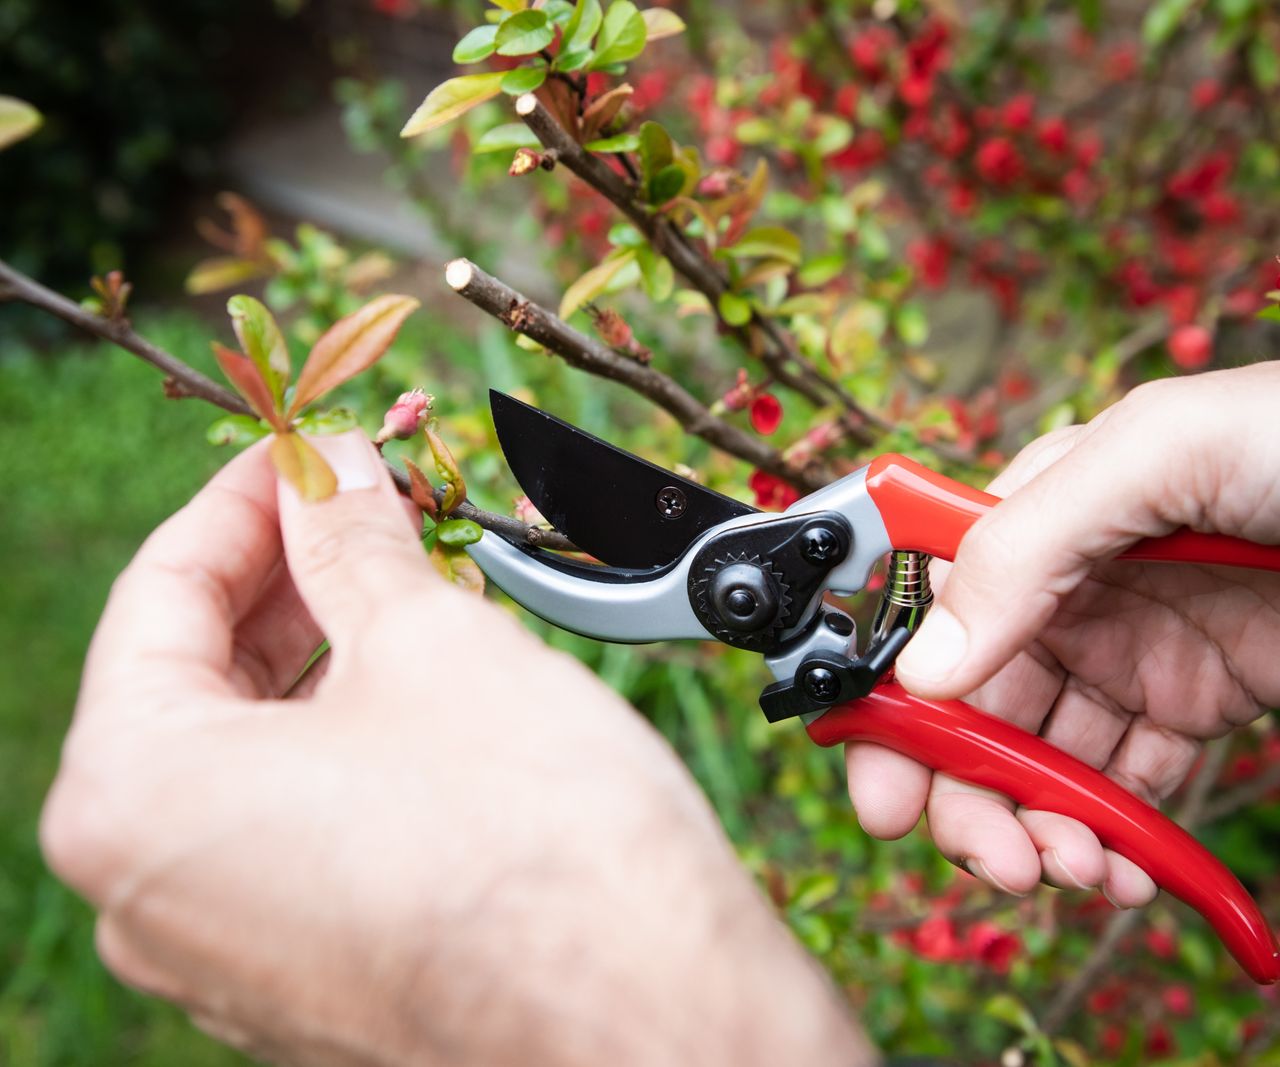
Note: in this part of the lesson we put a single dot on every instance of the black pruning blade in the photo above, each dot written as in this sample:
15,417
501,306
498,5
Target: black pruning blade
625,511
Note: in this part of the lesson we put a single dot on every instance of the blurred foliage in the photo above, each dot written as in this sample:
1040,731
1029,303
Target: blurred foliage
134,97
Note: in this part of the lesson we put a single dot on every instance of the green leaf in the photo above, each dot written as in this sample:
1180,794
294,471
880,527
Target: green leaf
772,242
581,27
735,308
221,272
18,119
1162,20
457,566
594,282
455,97
814,889
911,324
622,142
510,5
302,466
656,149
236,430
506,138
668,182
1270,314
817,272
1008,1009
524,79
350,345
755,131
261,340
458,532
656,272
1264,62
558,11
659,22
330,420
574,59
477,45
524,34
622,35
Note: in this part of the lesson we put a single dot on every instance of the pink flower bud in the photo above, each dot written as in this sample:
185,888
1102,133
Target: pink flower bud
405,417
739,395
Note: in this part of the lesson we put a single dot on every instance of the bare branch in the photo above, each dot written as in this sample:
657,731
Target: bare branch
527,318
17,286
182,380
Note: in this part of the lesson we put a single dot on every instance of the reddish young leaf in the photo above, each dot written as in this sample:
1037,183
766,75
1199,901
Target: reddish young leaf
302,466
350,345
420,489
249,383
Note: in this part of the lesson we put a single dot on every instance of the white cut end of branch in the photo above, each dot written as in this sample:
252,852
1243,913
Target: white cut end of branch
458,274
526,105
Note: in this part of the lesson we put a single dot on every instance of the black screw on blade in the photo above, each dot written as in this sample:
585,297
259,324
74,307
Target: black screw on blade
671,502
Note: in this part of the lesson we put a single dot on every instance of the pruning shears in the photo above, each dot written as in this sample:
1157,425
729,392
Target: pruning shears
678,560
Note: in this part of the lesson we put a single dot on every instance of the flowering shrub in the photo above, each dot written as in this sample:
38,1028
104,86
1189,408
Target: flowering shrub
759,219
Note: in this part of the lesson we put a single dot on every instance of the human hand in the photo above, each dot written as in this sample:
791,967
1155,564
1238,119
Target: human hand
447,843
1129,667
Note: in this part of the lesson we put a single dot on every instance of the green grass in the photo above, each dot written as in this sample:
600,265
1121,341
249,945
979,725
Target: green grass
93,459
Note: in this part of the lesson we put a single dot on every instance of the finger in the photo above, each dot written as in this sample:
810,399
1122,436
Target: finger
977,829
1071,856
1038,456
1127,884
169,620
275,640
1152,762
1024,556
354,555
888,789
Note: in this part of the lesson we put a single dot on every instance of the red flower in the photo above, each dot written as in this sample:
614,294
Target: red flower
866,149
935,939
1200,179
847,100
1054,136
1106,999
951,133
1088,148
1179,1000
401,9
993,946
723,151
1121,62
916,89
999,162
1159,1041
962,200
1205,93
1221,208
1191,348
1079,188
931,258
1112,1039
1018,112
766,413
1161,943
772,493
868,49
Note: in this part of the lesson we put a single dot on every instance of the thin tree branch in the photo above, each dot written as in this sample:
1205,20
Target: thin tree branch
1243,796
15,285
182,380
761,336
1193,812
527,318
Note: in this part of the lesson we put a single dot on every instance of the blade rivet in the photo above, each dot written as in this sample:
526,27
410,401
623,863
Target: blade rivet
822,685
820,545
671,502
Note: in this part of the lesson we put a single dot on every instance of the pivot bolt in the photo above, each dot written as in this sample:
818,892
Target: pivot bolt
740,602
819,545
822,685
671,502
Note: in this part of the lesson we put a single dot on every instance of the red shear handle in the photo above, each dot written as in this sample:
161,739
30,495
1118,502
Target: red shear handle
959,740
929,512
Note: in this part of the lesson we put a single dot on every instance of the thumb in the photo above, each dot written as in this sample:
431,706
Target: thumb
355,553
1017,563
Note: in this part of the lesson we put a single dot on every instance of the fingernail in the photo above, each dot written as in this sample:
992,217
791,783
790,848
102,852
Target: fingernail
1067,873
1112,900
980,870
936,650
352,459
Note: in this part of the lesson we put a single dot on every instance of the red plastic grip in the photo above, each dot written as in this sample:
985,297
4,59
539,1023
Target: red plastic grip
959,740
929,512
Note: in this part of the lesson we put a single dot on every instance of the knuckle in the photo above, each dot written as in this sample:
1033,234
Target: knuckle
78,838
